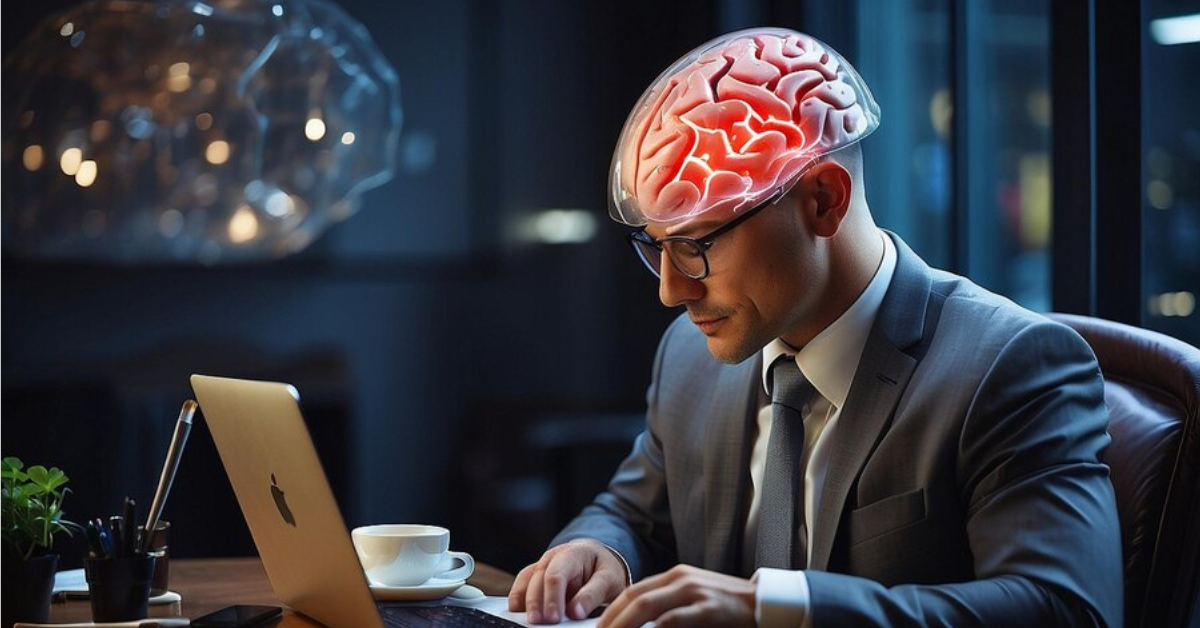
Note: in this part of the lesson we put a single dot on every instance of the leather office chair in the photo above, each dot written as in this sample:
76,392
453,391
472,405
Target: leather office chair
1152,386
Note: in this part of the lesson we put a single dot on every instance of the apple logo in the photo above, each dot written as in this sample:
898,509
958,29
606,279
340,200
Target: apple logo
281,503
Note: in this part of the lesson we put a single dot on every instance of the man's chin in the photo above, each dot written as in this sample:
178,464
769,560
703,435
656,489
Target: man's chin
727,351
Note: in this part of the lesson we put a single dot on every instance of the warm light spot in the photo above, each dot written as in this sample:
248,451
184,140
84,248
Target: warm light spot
70,160
243,226
33,157
1175,304
86,175
67,29
941,112
348,138
208,85
314,129
204,121
1185,303
1035,192
1160,195
177,77
217,152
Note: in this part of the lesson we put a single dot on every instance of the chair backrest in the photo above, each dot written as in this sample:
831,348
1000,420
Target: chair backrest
1152,386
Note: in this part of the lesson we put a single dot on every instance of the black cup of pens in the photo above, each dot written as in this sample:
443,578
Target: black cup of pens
118,570
119,587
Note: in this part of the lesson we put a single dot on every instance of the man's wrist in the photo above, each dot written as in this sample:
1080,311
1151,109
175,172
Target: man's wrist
614,552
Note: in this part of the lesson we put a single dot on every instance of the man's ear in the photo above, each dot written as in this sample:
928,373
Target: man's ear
831,189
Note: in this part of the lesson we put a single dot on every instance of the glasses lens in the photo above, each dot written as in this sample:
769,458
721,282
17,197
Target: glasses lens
687,256
649,254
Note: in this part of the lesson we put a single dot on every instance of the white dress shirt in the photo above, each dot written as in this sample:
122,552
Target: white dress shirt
829,361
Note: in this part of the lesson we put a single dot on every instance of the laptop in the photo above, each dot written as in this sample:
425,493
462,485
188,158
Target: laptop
285,497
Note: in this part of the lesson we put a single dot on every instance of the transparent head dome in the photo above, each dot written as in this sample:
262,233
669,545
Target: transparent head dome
180,130
732,122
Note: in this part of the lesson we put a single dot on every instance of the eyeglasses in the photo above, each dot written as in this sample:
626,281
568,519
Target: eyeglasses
688,255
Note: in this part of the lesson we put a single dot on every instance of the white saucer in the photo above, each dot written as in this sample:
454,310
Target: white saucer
434,589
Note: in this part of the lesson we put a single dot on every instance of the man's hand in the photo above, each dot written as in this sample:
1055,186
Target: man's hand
570,580
684,596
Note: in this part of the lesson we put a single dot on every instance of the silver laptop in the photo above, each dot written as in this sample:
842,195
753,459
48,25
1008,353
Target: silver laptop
290,509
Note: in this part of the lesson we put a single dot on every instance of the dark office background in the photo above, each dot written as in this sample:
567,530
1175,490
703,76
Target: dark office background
455,371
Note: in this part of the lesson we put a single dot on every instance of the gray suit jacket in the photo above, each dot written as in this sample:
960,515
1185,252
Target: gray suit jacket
964,487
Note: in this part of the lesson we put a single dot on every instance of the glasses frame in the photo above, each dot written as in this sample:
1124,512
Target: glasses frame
702,244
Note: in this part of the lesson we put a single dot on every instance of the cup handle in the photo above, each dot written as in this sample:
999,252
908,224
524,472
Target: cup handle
462,572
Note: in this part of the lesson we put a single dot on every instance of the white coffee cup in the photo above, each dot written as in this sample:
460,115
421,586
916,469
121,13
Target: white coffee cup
407,555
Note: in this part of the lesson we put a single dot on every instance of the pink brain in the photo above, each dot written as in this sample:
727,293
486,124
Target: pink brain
737,123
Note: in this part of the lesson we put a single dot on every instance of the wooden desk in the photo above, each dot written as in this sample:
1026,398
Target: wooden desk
211,583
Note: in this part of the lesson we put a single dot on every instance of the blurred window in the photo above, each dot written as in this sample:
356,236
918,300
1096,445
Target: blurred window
994,225
1171,137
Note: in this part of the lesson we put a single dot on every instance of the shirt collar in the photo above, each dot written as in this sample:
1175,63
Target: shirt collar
830,359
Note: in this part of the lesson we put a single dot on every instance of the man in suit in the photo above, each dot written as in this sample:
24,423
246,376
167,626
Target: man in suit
837,434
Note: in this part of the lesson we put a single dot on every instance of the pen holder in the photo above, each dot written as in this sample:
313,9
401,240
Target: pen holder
159,548
119,587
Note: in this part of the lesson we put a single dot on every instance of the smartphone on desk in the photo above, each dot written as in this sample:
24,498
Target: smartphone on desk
238,616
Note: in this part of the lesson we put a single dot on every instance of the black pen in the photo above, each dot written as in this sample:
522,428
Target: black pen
95,547
130,529
116,523
109,550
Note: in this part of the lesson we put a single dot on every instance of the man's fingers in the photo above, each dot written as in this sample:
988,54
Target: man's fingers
632,593
602,588
684,596
569,581
564,573
685,616
516,595
637,609
533,595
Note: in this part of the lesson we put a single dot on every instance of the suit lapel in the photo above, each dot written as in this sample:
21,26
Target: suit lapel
726,463
882,376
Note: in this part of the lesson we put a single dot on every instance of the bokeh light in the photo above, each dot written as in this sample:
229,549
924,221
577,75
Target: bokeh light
189,132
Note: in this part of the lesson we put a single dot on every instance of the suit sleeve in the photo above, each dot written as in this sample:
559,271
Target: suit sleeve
1040,511
633,516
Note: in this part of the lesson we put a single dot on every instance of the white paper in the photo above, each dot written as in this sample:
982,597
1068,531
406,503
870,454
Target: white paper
498,606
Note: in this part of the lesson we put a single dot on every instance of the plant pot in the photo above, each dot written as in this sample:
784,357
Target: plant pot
27,586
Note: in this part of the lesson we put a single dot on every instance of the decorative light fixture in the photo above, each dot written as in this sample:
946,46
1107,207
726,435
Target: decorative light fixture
179,131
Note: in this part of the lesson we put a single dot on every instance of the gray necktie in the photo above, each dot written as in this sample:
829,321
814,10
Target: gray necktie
782,536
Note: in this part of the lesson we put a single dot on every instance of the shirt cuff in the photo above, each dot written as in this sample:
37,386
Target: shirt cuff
781,599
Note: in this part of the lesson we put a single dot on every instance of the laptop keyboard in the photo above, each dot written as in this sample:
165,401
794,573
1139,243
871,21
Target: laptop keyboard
441,616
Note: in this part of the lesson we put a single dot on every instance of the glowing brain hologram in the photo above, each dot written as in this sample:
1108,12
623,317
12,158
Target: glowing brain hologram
732,122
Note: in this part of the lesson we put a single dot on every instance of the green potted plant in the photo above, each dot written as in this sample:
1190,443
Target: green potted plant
32,518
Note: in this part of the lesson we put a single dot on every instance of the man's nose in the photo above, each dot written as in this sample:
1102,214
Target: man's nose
676,288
